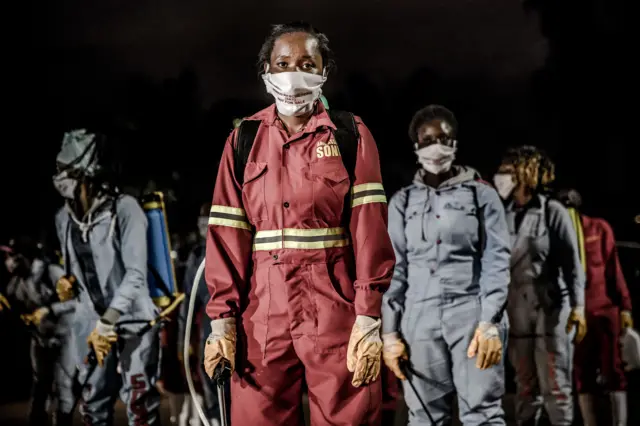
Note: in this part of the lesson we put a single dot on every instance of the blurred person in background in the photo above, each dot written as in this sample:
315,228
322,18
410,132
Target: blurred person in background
201,327
443,316
598,364
296,268
31,292
546,294
103,235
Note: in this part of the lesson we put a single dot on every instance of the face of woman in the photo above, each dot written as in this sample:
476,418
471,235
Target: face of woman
435,131
296,52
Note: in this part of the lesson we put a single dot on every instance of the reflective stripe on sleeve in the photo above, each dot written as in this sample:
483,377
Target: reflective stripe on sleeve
367,193
231,217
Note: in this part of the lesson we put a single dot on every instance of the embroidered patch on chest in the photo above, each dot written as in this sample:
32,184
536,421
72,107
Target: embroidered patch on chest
327,149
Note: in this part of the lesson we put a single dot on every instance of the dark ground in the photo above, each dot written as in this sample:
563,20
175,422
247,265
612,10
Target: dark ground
13,414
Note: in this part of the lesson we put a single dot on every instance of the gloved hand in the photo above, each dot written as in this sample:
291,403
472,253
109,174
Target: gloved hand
221,344
626,320
486,344
363,352
393,351
4,303
35,317
576,317
101,339
64,288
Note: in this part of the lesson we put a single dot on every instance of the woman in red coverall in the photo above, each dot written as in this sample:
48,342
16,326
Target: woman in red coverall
295,297
597,362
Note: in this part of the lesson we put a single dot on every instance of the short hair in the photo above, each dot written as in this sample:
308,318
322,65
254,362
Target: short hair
279,30
532,165
430,113
570,198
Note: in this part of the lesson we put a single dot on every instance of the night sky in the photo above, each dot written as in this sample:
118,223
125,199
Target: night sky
512,75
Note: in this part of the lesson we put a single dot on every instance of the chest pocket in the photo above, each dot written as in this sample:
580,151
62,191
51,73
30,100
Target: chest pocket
593,250
461,219
330,185
254,192
537,236
416,221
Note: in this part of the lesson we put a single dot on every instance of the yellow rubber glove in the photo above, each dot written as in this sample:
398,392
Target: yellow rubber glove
626,320
64,288
486,344
101,339
4,303
576,317
394,351
35,317
221,344
364,350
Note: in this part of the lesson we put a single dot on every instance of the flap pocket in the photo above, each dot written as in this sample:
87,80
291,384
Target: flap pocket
253,171
334,173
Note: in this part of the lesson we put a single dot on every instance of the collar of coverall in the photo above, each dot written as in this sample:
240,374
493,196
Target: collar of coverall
535,203
319,118
462,174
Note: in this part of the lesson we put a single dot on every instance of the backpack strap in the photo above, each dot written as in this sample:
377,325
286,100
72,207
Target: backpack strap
348,139
482,232
247,132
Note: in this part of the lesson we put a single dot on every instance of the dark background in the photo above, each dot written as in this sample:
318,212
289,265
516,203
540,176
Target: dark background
168,77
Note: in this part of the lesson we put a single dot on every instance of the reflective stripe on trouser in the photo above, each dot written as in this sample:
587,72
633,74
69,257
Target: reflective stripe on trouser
294,331
308,239
438,334
541,353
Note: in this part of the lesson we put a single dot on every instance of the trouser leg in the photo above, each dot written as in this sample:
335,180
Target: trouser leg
139,364
554,359
479,391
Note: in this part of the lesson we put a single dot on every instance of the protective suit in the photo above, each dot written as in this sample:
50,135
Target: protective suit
35,293
280,262
598,362
106,252
547,281
446,281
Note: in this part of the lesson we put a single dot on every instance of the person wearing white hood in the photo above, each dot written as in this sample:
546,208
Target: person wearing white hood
442,319
297,251
103,238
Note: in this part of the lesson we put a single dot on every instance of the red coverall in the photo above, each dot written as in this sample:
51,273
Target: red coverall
278,260
606,295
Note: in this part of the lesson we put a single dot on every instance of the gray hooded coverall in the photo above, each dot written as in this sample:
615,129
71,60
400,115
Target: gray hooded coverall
547,280
107,253
445,282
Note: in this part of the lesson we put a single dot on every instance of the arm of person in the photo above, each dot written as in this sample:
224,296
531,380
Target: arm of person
229,240
61,308
613,270
374,257
496,256
564,243
394,298
133,245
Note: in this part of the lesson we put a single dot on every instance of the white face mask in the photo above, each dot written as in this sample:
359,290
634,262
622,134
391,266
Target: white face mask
505,183
436,158
203,226
295,92
65,185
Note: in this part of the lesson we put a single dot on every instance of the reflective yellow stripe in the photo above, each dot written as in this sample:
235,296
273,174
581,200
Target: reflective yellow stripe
577,224
228,210
231,217
306,239
367,193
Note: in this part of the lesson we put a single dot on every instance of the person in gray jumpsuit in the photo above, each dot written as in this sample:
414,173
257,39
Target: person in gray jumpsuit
443,314
32,290
196,257
546,298
103,236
